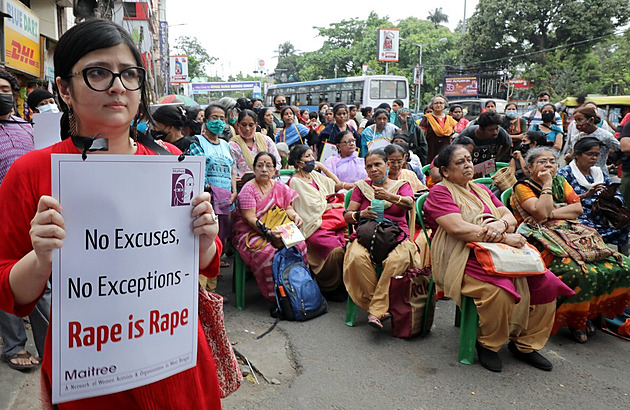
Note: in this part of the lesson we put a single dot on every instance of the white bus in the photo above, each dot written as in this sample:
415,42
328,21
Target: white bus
369,91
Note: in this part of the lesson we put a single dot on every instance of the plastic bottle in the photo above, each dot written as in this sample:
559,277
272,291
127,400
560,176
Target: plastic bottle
378,206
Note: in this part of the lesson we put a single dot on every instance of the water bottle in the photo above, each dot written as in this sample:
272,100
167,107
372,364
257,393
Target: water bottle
378,206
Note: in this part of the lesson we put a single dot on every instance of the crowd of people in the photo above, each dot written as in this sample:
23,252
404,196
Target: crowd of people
341,160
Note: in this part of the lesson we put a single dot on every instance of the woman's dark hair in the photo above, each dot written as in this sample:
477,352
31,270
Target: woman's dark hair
262,154
192,112
393,148
445,156
380,111
312,115
427,108
400,103
247,113
278,95
303,111
539,138
210,107
464,140
549,105
261,120
488,102
244,103
339,106
489,118
452,107
378,152
511,103
284,109
366,110
82,39
321,104
296,153
405,147
383,106
342,134
5,75
170,115
584,144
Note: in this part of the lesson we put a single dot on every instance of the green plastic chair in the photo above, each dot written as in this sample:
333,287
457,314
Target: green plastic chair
287,172
468,313
238,280
426,170
500,165
485,180
505,197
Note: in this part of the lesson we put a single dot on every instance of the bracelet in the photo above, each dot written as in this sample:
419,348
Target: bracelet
354,216
507,225
399,199
546,192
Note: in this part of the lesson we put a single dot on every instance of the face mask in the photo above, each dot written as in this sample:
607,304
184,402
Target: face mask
510,113
48,108
542,104
257,109
232,120
548,117
6,103
523,148
216,126
142,127
158,135
584,126
195,127
280,106
309,166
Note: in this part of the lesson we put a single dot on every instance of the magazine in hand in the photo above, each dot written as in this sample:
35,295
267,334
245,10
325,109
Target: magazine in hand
290,234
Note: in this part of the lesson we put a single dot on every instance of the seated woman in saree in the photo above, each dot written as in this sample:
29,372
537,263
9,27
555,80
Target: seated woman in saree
293,132
588,181
520,309
256,243
599,276
347,165
248,143
396,162
324,225
366,289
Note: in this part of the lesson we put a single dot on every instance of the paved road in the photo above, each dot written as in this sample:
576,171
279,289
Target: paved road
338,367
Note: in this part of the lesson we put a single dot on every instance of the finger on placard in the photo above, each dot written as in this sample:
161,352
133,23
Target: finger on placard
48,202
202,208
204,196
204,219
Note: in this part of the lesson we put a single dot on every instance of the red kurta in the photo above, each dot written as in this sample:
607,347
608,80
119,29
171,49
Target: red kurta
27,180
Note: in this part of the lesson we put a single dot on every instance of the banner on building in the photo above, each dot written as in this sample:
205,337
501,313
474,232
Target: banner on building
461,86
179,69
388,39
21,38
203,88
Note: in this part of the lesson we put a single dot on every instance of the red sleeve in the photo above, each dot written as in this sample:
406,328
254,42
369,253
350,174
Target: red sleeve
212,271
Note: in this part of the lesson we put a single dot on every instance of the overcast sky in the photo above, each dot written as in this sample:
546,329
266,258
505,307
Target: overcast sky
239,33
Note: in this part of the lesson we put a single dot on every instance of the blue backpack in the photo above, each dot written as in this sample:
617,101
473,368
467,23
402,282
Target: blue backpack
297,295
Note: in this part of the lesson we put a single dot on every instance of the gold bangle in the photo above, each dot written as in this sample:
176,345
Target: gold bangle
354,216
399,199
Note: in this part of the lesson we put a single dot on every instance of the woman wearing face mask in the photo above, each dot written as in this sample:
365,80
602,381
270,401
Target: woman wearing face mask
554,133
248,143
324,226
220,180
586,121
457,112
292,132
531,139
368,291
169,124
514,125
40,100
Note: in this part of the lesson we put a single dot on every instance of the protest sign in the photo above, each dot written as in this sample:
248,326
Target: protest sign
46,129
125,282
329,150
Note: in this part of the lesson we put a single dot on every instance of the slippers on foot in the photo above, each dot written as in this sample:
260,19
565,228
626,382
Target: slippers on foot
374,322
17,366
386,317
224,264
590,328
578,335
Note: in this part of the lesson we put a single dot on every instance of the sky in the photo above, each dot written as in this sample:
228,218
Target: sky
240,33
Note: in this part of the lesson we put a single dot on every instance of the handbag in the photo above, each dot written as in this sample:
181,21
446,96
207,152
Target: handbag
273,218
611,208
333,220
379,238
504,178
211,318
412,303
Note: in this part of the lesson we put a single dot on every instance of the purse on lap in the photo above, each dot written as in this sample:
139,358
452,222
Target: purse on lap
379,238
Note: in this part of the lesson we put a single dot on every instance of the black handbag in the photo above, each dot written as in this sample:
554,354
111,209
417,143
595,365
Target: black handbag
611,208
379,238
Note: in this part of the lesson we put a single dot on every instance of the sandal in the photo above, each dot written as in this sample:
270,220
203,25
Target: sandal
578,335
386,316
224,264
17,366
374,322
590,328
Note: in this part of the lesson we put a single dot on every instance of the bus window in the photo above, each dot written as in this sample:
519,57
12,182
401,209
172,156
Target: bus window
338,97
402,90
309,99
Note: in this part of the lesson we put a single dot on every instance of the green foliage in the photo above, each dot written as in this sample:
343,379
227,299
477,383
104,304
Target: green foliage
198,57
437,16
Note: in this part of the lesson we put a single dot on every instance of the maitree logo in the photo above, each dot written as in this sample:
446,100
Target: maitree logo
182,187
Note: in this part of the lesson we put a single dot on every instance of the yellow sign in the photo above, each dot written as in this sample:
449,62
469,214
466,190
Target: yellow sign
21,38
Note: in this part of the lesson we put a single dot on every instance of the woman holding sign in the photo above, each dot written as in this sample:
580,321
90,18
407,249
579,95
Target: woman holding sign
293,132
101,81
379,134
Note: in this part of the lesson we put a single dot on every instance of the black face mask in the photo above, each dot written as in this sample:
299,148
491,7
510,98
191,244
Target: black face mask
523,148
6,103
279,106
158,135
257,109
195,127
548,117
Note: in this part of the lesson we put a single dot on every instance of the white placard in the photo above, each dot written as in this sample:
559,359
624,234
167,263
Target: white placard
46,129
379,143
329,150
125,282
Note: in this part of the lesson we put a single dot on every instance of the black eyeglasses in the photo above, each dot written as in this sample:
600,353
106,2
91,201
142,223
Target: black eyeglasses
101,78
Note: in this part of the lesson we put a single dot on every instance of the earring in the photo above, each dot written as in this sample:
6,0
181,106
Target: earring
73,122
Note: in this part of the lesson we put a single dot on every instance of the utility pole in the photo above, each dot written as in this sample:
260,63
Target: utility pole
464,20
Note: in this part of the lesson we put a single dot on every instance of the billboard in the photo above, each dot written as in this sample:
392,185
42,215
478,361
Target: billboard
461,86
21,38
520,83
388,39
179,69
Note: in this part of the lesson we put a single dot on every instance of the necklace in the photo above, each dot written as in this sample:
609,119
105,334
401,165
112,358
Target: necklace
263,192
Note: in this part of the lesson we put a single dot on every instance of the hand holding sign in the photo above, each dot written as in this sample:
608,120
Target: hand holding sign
47,229
206,226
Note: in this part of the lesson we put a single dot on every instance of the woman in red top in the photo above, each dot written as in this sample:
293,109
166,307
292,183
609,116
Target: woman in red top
100,79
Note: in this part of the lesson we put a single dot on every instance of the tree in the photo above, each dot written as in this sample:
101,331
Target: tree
437,16
288,67
198,57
